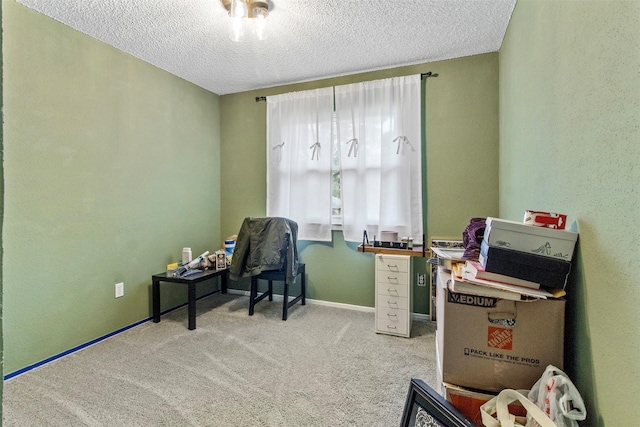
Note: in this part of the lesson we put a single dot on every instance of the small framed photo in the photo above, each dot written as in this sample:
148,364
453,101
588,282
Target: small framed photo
221,260
426,408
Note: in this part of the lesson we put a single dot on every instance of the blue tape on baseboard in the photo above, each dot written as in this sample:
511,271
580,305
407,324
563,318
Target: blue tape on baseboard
72,350
87,344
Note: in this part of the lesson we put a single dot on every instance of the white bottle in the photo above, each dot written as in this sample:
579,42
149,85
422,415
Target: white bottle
186,255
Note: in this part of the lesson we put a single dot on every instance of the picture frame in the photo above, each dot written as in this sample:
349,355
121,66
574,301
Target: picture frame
221,260
426,408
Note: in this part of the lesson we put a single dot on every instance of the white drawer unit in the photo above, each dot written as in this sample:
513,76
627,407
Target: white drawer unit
393,295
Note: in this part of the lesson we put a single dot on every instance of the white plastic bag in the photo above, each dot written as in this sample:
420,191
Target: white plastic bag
499,406
556,395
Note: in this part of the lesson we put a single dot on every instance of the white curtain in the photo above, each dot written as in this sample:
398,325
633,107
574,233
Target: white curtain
379,131
299,147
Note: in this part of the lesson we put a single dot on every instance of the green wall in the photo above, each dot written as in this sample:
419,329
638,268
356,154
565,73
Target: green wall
111,166
570,143
1,222
461,115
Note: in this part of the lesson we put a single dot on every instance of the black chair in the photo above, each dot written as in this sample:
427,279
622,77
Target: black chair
266,249
279,276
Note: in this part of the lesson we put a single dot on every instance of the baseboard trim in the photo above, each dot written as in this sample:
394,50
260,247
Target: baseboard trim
71,350
276,297
92,342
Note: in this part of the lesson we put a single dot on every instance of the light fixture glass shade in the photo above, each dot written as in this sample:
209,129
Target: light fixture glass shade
247,17
238,29
259,9
260,27
238,9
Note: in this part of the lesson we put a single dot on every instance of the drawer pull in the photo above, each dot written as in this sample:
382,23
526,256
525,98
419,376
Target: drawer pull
392,302
390,278
392,290
392,315
391,327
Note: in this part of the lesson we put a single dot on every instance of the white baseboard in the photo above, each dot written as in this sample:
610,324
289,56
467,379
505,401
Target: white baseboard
276,297
420,316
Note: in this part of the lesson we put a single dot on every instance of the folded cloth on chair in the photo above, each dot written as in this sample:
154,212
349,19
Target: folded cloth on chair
265,244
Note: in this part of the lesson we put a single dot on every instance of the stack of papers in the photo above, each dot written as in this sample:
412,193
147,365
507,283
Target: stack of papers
464,280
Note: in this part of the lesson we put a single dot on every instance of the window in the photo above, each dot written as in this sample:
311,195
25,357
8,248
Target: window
381,159
361,164
299,141
336,184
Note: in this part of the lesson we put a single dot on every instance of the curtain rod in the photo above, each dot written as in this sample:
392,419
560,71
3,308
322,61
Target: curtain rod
422,76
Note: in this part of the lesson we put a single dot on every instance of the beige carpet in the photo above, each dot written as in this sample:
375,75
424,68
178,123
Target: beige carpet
325,366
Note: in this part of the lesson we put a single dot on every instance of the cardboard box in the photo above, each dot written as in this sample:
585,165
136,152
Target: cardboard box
549,272
492,344
469,401
548,242
439,383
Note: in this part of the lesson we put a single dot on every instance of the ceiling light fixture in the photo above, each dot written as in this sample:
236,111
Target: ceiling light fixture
247,17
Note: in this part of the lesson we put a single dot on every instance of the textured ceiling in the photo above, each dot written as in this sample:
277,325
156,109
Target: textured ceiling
307,40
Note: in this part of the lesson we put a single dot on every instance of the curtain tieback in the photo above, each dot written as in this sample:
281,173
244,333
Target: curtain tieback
316,151
354,147
279,147
400,140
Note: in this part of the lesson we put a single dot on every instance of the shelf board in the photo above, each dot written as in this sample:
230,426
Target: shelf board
417,251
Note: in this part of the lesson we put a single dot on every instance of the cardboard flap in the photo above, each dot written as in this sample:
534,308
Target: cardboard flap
501,315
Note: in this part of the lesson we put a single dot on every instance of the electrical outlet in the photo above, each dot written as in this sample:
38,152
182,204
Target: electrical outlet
422,279
119,289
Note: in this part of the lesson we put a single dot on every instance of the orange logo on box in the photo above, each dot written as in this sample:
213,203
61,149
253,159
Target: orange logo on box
500,338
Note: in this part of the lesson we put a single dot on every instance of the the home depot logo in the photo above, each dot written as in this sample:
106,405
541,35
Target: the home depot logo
500,338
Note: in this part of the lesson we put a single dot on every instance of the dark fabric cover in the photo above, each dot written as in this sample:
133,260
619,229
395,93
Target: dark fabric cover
265,244
472,238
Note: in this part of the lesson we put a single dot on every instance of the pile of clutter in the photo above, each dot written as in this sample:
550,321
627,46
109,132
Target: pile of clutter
219,260
500,317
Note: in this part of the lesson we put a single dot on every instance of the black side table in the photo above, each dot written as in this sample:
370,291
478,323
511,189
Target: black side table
191,281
